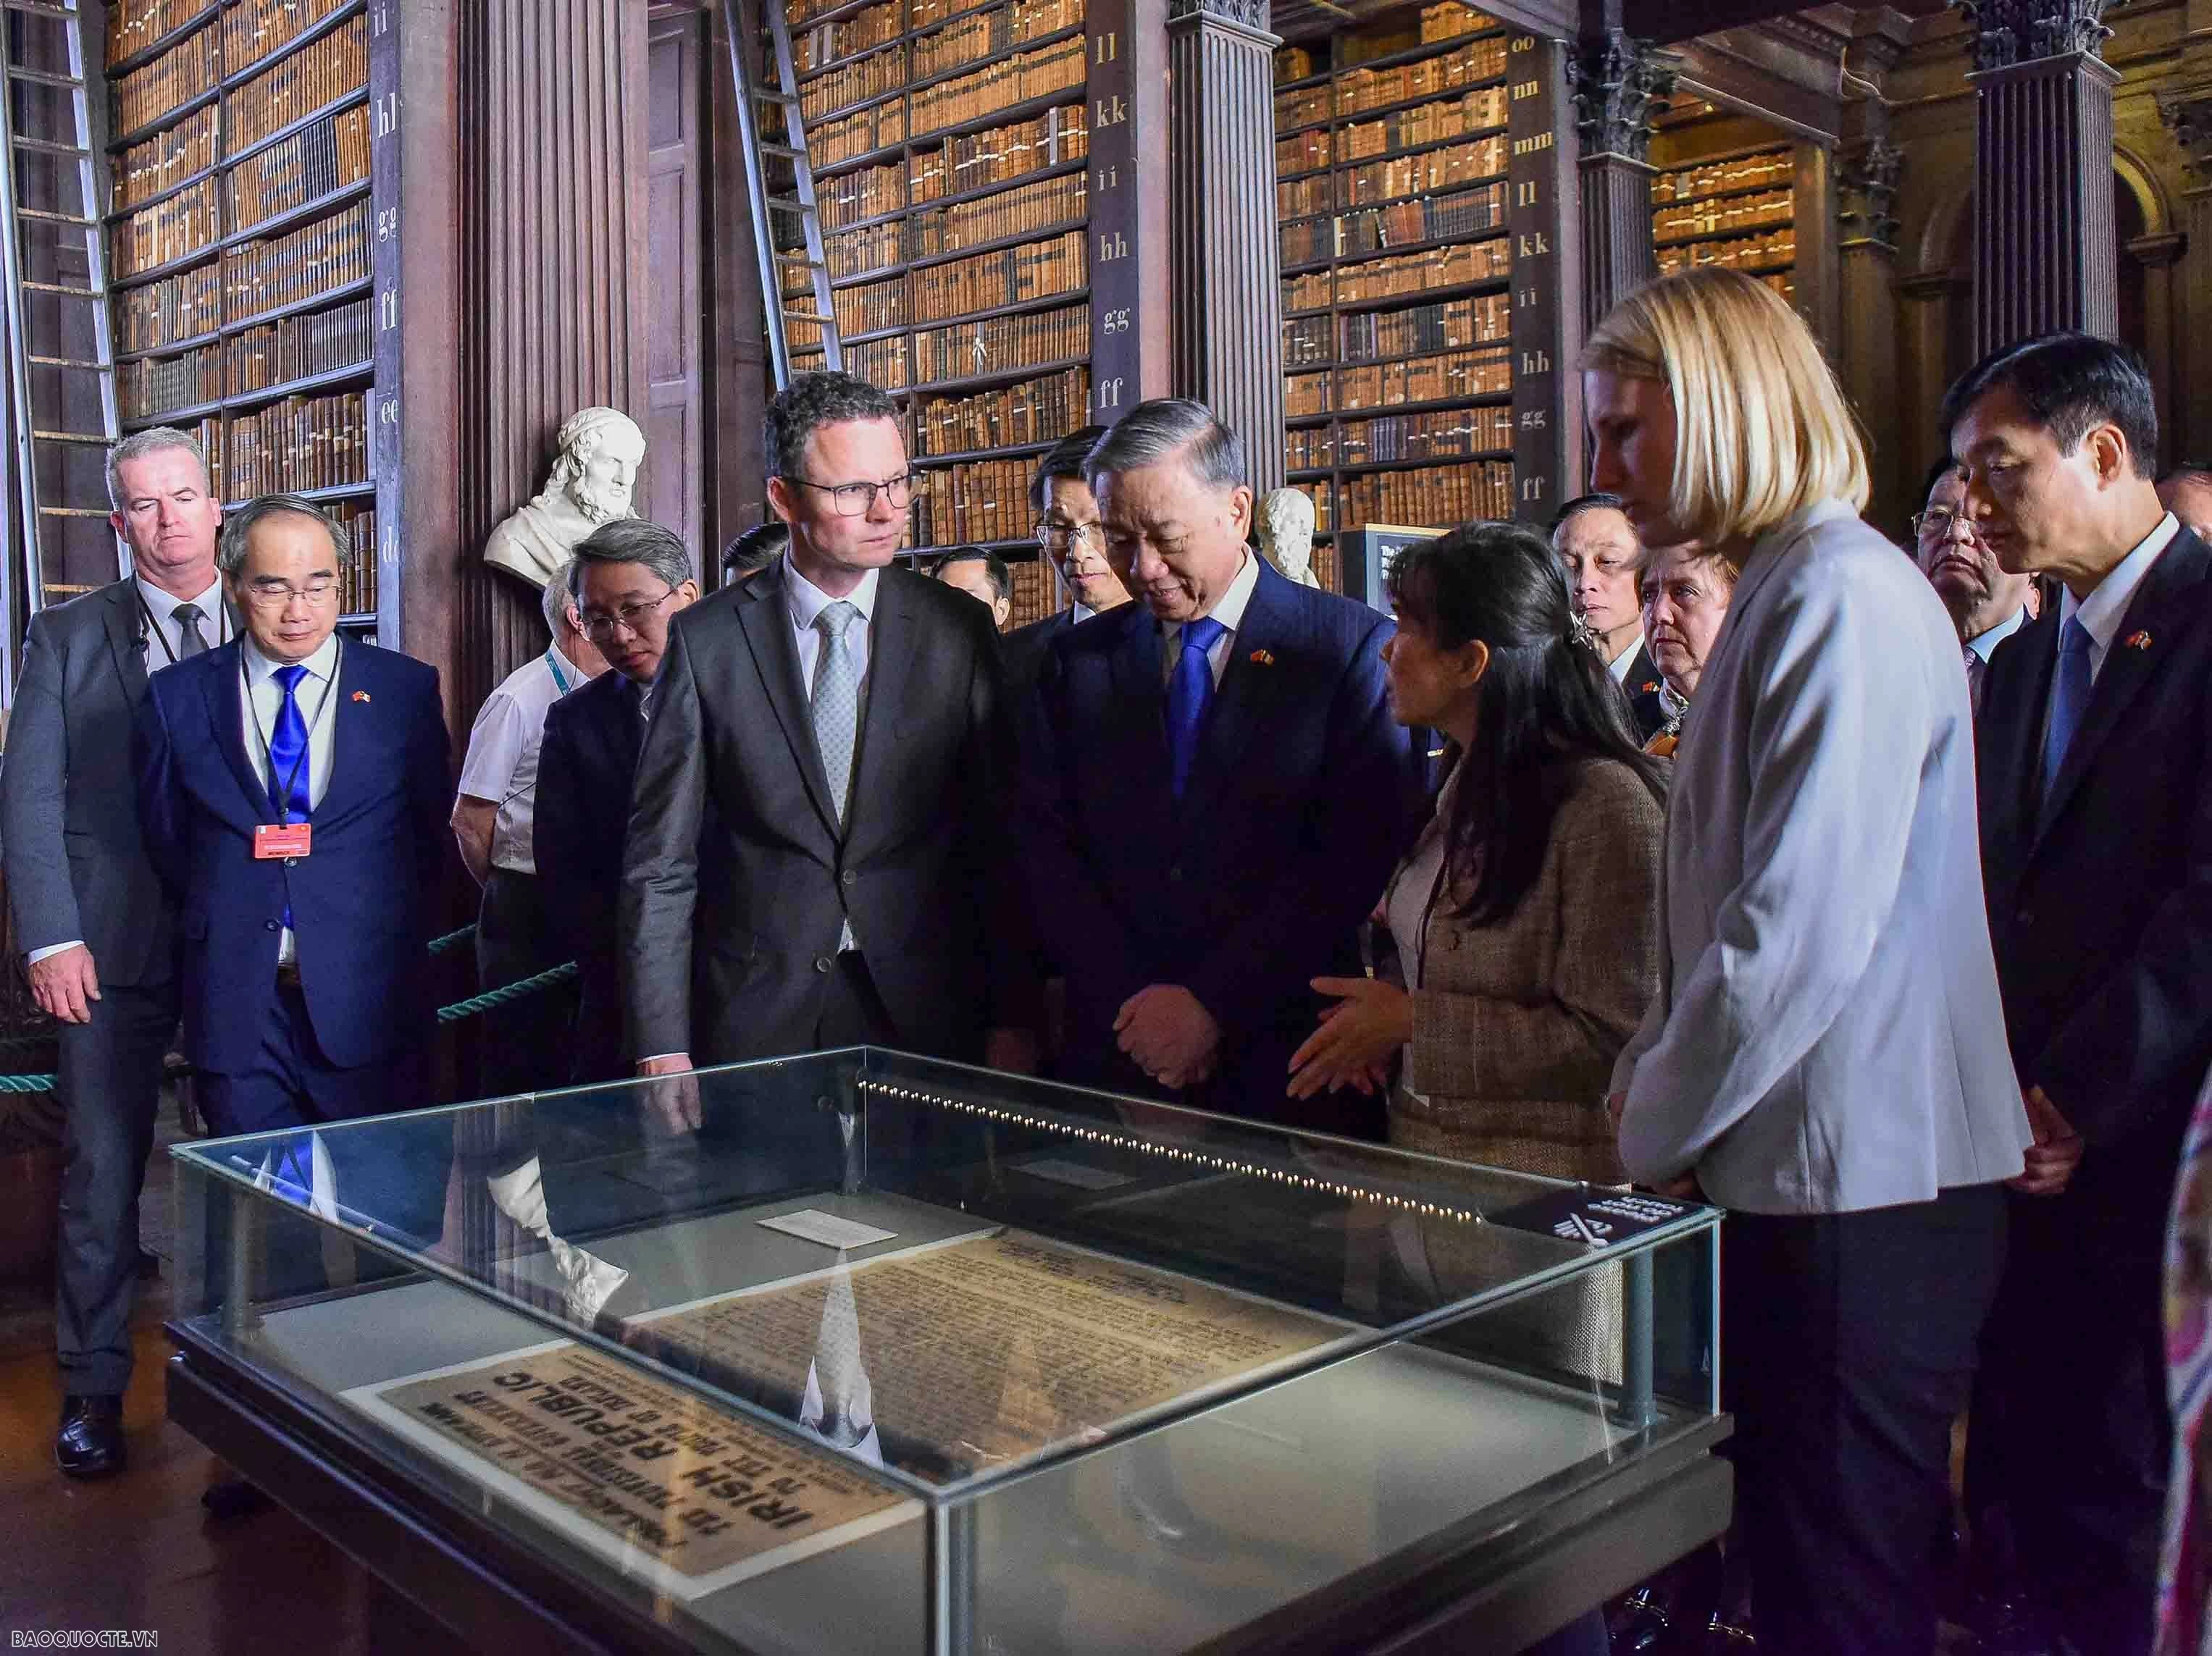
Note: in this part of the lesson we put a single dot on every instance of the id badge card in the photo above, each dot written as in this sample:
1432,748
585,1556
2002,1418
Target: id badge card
292,840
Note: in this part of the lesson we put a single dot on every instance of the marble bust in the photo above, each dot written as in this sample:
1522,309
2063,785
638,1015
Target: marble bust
598,452
1286,532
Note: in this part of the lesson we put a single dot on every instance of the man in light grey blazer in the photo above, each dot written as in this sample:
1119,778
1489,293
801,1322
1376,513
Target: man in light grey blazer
1826,1055
97,932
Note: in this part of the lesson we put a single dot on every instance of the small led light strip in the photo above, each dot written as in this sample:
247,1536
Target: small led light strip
1196,1158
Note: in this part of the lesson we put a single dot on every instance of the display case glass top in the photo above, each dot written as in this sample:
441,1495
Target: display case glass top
728,1341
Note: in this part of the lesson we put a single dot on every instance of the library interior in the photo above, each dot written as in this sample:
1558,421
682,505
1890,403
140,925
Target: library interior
478,278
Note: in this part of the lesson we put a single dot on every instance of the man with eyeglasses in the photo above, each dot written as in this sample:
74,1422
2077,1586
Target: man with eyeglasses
292,786
1069,533
633,578
523,1043
1986,604
818,806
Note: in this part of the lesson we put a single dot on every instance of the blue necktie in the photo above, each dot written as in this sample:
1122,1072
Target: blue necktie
2069,697
288,760
1190,690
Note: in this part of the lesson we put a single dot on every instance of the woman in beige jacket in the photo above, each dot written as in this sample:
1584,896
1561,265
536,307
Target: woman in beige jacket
1526,917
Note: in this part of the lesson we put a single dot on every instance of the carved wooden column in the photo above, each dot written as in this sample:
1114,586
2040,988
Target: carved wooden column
1619,87
2188,110
2043,170
551,197
1225,265
1866,338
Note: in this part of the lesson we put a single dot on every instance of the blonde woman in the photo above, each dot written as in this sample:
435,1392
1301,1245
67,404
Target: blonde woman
1826,1057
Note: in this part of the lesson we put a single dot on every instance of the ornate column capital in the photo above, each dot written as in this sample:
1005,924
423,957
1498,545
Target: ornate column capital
1620,84
2009,32
1866,192
2188,110
1252,14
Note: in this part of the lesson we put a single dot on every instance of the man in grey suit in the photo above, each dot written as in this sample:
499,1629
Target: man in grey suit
816,820
97,930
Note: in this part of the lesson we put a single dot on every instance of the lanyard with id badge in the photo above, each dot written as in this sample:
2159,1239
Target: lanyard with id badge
284,839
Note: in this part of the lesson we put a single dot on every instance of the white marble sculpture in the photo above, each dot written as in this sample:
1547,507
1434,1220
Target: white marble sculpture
1286,532
593,474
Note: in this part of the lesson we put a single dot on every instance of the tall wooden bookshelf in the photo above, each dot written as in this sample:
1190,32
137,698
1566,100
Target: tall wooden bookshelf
1731,190
950,145
1408,199
241,242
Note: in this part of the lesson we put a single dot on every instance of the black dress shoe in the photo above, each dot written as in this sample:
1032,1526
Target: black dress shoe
90,1441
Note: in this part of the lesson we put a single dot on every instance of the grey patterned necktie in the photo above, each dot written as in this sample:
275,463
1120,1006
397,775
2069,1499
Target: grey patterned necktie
1978,673
836,703
191,641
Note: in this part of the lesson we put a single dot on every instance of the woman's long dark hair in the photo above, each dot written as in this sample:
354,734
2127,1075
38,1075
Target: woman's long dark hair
1546,705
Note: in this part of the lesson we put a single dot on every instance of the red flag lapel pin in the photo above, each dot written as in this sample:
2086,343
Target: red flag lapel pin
2138,641
360,695
1263,657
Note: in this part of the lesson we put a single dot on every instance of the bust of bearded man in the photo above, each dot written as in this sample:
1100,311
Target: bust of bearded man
593,475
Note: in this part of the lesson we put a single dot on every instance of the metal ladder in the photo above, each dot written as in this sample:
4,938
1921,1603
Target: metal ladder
787,227
53,265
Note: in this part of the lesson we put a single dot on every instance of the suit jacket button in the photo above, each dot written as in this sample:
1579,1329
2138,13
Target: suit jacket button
1176,873
2025,917
270,926
821,964
850,877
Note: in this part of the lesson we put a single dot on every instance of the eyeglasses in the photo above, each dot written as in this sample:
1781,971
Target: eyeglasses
1938,521
1061,537
630,617
275,594
857,500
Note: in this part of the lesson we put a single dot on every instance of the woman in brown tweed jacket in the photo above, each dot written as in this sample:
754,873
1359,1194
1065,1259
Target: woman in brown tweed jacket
1527,915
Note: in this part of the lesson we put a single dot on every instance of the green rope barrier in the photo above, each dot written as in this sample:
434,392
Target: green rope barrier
451,939
506,992
27,1084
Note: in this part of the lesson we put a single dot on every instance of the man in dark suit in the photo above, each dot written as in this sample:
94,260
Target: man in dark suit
1213,790
1069,533
1599,549
292,787
1986,605
632,579
2096,814
817,815
96,928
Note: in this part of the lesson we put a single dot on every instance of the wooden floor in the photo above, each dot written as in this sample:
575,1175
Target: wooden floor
138,1550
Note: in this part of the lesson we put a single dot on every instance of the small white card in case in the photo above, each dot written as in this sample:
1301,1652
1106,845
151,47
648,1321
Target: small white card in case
1074,1173
812,1225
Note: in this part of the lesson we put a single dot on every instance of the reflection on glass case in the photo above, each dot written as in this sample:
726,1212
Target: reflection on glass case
860,1351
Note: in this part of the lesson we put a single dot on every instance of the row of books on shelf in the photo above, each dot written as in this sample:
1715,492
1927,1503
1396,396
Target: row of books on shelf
176,78
966,98
297,444
1738,173
154,383
976,501
291,347
1376,182
1358,90
1405,128
921,13
311,163
983,34
167,158
1689,220
1439,434
1012,276
321,72
357,573
938,230
1447,20
872,77
974,160
1382,336
134,25
1454,266
1037,411
254,277
1479,211
252,29
1744,254
871,128
998,344
175,229
824,43
1033,597
1432,497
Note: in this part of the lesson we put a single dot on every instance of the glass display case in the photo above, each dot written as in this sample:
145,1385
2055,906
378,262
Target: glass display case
860,1351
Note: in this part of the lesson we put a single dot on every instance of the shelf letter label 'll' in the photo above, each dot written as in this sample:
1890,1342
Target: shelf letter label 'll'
1106,47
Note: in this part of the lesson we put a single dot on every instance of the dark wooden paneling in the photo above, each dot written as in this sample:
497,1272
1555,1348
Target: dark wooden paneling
1128,193
1534,112
673,488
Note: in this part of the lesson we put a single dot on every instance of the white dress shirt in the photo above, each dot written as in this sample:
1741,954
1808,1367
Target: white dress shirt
1229,610
165,642
501,766
804,601
319,710
2104,609
1619,665
1984,644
